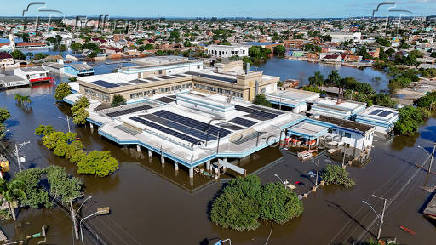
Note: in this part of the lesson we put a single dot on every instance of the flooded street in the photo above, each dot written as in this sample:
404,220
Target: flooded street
151,204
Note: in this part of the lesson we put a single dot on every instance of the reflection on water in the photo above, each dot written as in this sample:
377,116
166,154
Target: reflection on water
302,70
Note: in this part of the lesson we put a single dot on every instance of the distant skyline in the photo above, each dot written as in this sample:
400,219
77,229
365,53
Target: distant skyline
222,8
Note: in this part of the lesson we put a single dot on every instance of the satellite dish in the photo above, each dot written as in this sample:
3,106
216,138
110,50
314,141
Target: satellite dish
22,159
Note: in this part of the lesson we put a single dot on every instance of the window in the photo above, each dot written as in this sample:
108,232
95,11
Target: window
347,135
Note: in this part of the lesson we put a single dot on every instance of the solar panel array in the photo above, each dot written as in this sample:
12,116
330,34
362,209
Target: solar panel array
166,130
105,84
381,113
166,99
178,75
230,126
192,123
243,122
219,78
257,114
375,112
152,79
385,113
255,107
128,111
179,127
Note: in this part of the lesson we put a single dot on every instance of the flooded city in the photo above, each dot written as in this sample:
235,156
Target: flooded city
218,122
172,207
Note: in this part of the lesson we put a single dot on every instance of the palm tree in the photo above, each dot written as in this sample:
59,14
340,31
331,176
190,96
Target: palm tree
26,99
11,194
317,79
18,98
22,99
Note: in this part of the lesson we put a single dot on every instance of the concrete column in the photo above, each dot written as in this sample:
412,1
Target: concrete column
138,148
208,166
150,153
91,127
176,166
191,173
162,159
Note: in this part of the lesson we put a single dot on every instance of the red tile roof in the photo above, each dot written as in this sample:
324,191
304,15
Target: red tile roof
4,55
29,44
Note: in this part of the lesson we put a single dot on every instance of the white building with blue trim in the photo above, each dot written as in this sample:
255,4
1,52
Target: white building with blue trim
382,118
79,70
329,107
193,129
295,99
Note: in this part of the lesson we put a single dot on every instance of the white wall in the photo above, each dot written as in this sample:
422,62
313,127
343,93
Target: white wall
223,51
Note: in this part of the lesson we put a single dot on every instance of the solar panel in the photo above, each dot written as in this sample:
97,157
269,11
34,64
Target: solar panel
137,81
277,112
166,130
256,113
166,100
243,122
219,78
152,79
375,112
230,126
179,127
192,123
128,111
105,84
385,113
257,117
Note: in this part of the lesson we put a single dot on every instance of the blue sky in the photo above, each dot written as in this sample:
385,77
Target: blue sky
221,8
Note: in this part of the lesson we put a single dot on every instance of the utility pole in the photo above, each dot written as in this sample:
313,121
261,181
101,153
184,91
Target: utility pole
17,155
382,216
343,158
379,216
432,158
73,218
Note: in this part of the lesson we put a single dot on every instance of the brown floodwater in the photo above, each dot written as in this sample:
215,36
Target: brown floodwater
151,204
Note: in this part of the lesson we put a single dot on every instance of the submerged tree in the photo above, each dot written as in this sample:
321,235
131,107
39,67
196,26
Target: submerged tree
36,187
279,204
99,163
244,201
62,90
335,175
4,115
80,114
23,99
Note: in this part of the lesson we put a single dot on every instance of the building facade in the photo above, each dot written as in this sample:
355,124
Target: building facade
225,51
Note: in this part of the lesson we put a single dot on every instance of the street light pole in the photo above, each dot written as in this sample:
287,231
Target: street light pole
67,118
429,156
432,158
17,155
100,211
